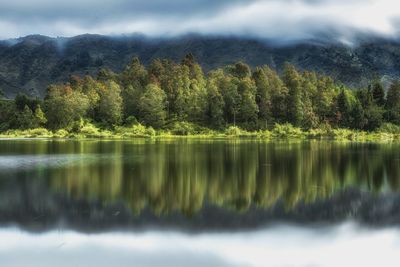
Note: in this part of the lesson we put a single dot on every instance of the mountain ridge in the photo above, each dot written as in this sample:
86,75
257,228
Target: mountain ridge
29,64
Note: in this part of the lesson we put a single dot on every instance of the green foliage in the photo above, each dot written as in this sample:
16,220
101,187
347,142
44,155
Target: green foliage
176,98
235,131
378,94
64,106
216,105
152,106
25,119
292,80
287,130
393,103
40,117
186,128
389,128
109,109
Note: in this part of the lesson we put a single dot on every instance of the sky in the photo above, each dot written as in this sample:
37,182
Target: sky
284,20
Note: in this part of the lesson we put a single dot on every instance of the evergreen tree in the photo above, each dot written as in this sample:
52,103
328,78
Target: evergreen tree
26,119
263,96
279,94
357,116
40,117
133,79
215,110
152,106
241,70
343,109
378,94
292,81
248,108
392,113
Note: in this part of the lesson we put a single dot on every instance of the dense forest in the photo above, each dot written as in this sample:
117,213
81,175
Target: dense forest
166,93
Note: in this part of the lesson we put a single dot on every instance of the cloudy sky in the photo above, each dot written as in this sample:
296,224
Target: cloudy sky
273,19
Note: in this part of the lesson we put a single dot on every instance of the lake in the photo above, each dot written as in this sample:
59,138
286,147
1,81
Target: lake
198,202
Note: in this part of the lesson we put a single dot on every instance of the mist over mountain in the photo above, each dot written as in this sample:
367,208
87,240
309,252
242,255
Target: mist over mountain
29,64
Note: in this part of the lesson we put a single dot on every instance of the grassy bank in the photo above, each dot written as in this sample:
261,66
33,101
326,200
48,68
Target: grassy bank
388,132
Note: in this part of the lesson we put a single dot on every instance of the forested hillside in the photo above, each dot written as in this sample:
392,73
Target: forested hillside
31,63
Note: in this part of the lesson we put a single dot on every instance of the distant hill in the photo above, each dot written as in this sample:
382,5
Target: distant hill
30,63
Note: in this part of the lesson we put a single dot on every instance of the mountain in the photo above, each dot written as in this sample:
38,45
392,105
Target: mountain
29,64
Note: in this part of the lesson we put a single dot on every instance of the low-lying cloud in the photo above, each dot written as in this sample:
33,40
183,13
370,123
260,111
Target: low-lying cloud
280,20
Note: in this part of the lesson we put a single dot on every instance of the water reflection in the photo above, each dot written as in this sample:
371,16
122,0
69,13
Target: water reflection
186,176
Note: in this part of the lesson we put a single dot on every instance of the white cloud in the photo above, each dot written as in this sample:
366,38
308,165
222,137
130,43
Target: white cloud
274,19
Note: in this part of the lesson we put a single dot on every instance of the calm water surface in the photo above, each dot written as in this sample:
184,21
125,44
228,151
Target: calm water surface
189,202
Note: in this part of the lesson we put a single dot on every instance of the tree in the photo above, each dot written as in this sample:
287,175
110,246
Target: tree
292,81
215,110
343,109
109,110
241,70
22,100
40,117
358,120
229,91
152,106
392,107
248,108
25,119
279,94
378,94
133,79
263,96
63,106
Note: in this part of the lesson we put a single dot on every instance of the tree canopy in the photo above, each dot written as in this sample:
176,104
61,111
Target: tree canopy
165,92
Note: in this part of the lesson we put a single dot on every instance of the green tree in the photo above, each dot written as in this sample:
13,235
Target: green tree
292,80
248,108
152,106
392,107
109,110
63,106
241,70
378,94
215,110
263,96
279,94
26,119
40,117
343,109
358,120
133,79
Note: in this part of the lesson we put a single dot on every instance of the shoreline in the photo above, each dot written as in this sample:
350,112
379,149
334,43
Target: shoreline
347,136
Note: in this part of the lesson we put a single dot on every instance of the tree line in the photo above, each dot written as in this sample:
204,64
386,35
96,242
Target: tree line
165,92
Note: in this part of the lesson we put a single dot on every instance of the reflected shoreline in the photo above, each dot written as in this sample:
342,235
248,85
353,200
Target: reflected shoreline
364,208
196,185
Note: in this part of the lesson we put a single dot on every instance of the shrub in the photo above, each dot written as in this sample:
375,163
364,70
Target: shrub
182,128
150,131
187,128
131,120
287,130
234,131
345,134
61,133
90,130
389,128
38,132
